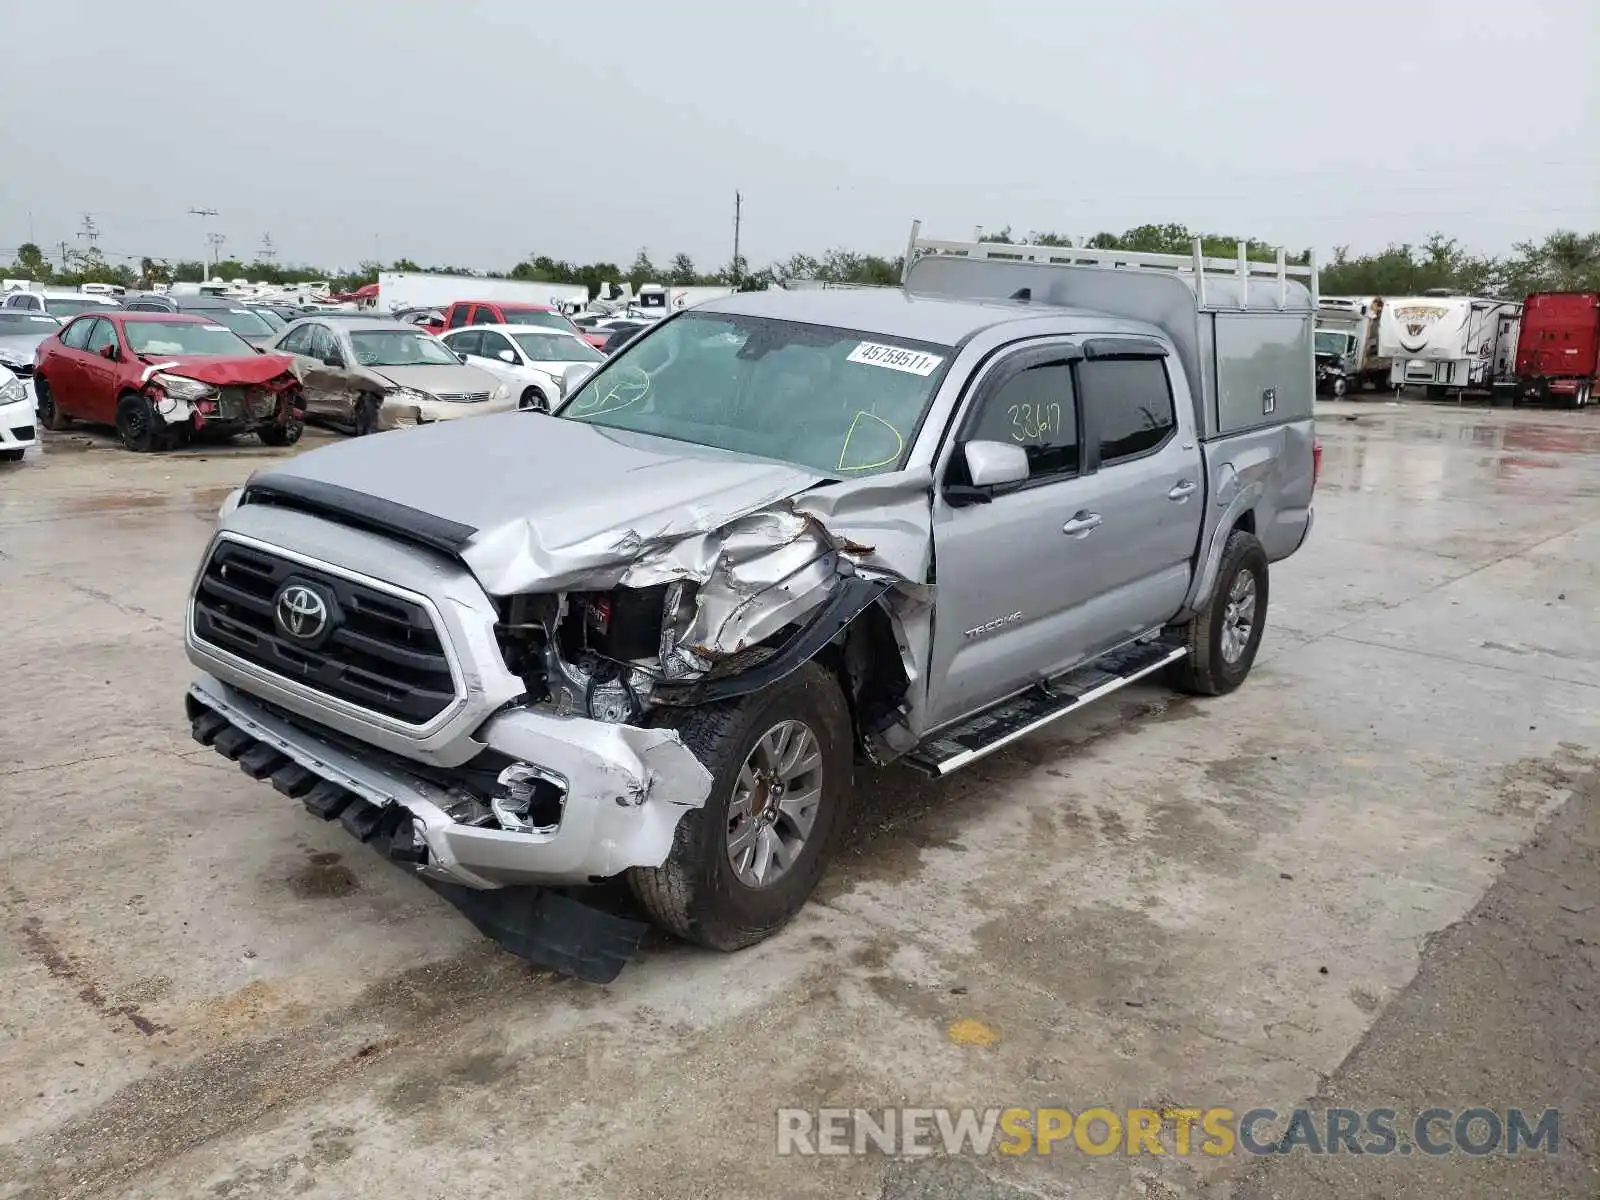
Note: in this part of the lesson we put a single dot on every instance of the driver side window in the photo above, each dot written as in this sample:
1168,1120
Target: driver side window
100,336
465,343
323,348
297,341
492,344
1035,409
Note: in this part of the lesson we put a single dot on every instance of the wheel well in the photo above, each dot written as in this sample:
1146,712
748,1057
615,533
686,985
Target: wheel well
870,671
1246,521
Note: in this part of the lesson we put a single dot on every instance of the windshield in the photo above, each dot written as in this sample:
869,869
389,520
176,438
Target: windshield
243,321
14,323
555,347
1329,342
401,348
549,320
71,307
180,337
271,318
840,402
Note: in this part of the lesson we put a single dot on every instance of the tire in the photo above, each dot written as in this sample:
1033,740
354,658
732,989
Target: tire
366,416
136,424
698,893
11,455
50,415
534,398
1209,669
1437,391
1581,398
286,434
1340,387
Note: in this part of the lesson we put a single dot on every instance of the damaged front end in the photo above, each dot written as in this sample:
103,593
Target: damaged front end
728,612
223,395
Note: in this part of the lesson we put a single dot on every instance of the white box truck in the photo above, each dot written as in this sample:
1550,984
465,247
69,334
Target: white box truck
1350,324
421,289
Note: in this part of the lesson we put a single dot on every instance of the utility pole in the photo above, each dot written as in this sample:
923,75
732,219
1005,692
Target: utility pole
738,213
267,252
203,214
216,240
89,233
64,262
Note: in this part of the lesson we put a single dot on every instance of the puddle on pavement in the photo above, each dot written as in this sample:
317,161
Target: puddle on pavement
323,877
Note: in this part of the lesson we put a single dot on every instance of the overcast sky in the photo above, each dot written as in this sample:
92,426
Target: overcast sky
477,132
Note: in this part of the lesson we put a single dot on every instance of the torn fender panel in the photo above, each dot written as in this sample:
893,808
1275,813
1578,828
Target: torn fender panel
883,522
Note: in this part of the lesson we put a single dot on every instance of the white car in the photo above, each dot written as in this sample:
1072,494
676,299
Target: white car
543,364
17,417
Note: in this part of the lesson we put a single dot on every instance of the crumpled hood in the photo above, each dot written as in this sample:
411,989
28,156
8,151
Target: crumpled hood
21,346
556,504
220,370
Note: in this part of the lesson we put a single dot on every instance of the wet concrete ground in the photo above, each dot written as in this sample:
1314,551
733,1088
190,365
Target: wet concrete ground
204,991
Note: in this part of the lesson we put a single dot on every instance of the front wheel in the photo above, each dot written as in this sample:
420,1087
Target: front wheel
1225,634
781,763
50,414
1340,387
136,424
366,416
534,399
286,434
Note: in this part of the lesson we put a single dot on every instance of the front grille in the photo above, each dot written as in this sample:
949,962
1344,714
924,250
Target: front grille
462,397
23,433
237,403
383,653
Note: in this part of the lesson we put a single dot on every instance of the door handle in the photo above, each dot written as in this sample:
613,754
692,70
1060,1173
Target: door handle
1182,490
1082,524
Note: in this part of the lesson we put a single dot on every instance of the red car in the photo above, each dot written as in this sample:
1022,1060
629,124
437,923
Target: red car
504,312
161,377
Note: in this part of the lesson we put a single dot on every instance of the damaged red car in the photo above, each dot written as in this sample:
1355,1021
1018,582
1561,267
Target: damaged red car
163,378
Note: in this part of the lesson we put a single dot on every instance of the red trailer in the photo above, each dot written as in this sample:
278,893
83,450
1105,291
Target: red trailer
1558,351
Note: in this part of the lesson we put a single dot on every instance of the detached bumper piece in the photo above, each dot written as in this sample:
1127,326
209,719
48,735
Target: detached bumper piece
539,925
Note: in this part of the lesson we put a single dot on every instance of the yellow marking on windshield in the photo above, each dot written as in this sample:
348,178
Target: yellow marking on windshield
630,389
844,448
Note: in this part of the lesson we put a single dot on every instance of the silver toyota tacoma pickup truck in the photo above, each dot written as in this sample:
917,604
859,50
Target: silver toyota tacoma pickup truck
780,537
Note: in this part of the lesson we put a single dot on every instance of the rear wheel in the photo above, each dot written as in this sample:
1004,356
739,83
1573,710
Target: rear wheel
1583,397
50,414
136,424
1225,634
781,763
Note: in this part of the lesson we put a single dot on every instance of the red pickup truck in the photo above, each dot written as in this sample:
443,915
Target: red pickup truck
500,312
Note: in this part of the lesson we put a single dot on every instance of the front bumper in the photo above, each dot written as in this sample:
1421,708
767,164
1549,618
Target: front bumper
626,788
18,428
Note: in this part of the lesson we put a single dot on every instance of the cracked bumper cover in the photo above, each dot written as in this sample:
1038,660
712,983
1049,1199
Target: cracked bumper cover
626,789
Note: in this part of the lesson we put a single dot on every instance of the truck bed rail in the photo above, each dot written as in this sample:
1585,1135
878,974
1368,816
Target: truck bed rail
1194,267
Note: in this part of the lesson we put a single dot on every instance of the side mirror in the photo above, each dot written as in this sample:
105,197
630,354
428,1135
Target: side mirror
990,464
573,375
333,360
506,356
460,355
109,352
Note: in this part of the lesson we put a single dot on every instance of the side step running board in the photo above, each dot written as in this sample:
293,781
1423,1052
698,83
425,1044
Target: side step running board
976,737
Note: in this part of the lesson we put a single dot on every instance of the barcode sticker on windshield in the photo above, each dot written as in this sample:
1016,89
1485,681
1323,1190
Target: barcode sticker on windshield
913,362
216,328
240,312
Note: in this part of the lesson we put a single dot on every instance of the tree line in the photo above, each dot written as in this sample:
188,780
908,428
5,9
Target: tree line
1562,261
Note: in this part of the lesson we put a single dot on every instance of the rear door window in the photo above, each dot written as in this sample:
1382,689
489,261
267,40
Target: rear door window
298,340
77,333
1129,401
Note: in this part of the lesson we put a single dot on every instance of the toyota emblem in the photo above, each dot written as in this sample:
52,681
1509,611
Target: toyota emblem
301,612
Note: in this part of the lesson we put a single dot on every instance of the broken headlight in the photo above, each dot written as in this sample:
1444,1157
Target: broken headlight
180,388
